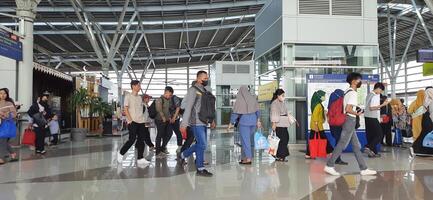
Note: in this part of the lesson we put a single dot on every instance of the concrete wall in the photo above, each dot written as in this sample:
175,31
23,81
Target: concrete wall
8,75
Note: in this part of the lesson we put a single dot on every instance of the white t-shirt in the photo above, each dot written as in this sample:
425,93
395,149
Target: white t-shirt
135,108
350,98
375,101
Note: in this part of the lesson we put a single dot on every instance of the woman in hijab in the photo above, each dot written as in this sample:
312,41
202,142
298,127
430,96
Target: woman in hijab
318,119
280,123
427,127
246,110
416,119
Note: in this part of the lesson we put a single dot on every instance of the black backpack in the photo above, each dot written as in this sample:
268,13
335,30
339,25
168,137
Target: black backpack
207,109
173,105
152,110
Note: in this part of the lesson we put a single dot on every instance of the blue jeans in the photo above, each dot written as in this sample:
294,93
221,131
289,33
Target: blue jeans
200,134
246,132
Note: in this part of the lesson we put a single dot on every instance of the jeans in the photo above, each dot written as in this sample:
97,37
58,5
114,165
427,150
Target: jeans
336,133
200,134
348,135
246,133
40,138
374,134
136,135
163,136
55,139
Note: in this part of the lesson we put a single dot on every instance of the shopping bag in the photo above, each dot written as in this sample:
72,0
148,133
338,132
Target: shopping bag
317,146
29,137
273,144
260,141
8,129
428,140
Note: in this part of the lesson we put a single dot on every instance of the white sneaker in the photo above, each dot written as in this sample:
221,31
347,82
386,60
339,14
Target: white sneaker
119,157
143,161
368,172
331,171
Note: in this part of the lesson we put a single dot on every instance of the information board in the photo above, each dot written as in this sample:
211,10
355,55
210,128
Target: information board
330,82
267,91
10,46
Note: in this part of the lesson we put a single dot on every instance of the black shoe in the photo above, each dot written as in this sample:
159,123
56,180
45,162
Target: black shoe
378,155
340,162
204,173
369,152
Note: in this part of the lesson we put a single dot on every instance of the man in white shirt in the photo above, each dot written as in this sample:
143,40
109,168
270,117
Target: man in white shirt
349,128
373,129
136,124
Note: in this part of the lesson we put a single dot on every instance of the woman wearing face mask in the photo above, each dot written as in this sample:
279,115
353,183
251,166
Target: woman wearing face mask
280,123
40,106
427,127
246,108
317,120
7,112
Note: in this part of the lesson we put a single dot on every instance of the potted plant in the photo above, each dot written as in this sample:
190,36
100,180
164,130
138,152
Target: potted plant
77,103
104,111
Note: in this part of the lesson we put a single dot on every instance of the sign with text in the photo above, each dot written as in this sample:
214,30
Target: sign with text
10,46
266,91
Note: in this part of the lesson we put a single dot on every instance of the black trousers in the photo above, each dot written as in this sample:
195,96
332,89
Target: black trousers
387,134
373,132
147,139
189,140
55,139
40,138
176,129
283,149
163,136
136,135
336,133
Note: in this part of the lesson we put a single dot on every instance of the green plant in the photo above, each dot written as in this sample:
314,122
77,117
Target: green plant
78,99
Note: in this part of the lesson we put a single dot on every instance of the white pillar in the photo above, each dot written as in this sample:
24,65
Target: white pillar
27,10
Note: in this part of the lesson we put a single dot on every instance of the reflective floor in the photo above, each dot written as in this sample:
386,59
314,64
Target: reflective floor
89,170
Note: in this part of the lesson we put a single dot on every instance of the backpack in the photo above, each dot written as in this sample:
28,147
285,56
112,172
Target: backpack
336,115
152,110
173,105
207,109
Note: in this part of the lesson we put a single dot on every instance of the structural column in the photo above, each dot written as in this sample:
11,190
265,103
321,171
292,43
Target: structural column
27,10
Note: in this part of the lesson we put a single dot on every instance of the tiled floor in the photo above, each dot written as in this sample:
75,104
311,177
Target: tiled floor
88,170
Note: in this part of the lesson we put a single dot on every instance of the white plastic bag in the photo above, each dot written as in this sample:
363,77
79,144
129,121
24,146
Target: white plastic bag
273,143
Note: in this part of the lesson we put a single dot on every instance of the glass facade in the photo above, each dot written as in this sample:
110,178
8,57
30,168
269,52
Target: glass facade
289,64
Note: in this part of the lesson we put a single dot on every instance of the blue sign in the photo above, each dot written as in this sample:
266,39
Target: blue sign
424,55
9,47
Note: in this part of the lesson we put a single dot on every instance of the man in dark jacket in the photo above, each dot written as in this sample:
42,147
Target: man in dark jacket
40,106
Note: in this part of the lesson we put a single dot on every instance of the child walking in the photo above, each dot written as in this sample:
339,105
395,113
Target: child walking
54,129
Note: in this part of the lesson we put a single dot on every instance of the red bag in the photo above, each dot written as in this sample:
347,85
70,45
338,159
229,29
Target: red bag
386,119
29,137
336,116
317,146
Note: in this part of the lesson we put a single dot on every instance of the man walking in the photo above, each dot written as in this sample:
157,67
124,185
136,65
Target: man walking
162,121
136,124
191,118
373,129
348,134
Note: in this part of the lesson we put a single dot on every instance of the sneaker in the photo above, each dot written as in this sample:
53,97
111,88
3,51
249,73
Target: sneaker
331,171
143,161
369,152
204,173
368,172
42,152
119,157
340,162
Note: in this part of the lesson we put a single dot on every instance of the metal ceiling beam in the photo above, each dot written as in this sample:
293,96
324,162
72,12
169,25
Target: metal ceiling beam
166,8
210,53
147,31
60,60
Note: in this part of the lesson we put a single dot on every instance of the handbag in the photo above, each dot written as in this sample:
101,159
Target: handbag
260,141
386,119
317,146
273,143
29,137
428,140
8,129
419,112
39,120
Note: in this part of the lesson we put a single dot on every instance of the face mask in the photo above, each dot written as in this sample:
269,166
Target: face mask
359,84
205,83
323,98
